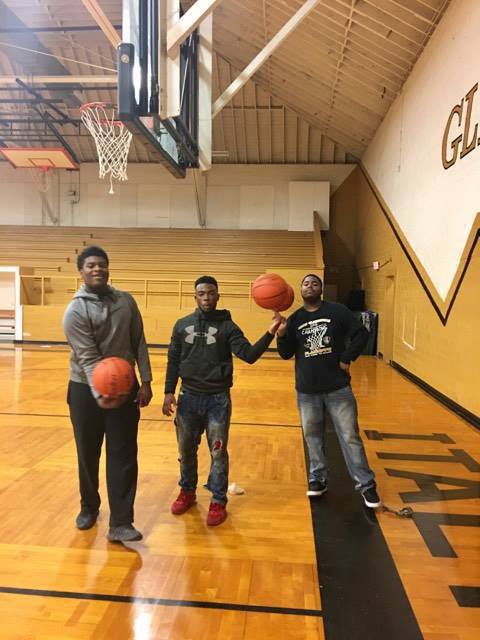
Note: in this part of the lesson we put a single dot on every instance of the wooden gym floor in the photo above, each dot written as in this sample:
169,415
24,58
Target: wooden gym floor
257,576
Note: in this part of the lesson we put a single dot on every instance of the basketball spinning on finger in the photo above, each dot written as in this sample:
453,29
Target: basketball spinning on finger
271,291
113,377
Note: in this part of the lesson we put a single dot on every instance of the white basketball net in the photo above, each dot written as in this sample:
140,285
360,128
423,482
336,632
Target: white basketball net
315,339
112,139
42,178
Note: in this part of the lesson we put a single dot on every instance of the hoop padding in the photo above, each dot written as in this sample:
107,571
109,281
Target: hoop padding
112,140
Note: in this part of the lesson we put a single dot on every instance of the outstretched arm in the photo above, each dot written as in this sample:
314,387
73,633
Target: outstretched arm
247,352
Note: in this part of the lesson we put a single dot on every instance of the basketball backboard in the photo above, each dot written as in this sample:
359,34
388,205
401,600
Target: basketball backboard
158,97
38,157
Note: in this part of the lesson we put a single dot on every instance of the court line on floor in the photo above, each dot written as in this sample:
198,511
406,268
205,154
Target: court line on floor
466,596
165,602
36,345
362,592
65,415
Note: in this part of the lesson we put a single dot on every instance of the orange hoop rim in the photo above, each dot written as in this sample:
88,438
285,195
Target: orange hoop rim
102,105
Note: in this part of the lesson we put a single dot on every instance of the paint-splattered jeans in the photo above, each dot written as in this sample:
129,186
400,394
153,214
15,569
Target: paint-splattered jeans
197,413
342,408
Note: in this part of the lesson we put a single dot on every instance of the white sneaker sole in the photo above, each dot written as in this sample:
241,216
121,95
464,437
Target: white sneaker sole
316,493
372,505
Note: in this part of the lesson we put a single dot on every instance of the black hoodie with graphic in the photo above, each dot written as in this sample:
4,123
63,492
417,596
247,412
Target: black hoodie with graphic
320,340
200,352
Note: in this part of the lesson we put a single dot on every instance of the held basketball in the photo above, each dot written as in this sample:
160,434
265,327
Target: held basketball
269,291
113,377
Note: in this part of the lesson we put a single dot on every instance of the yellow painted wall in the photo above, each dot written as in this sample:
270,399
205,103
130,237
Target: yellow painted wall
45,323
446,357
339,240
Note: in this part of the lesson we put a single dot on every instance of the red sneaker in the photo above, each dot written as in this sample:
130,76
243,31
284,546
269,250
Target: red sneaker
184,501
216,514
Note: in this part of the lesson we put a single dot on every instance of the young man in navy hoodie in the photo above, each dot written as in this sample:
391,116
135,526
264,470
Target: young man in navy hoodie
325,338
200,353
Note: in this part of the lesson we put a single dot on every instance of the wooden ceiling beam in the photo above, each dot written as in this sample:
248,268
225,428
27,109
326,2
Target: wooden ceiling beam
103,22
348,103
376,7
264,54
66,79
348,26
403,7
378,20
290,97
294,70
187,24
384,43
391,44
291,49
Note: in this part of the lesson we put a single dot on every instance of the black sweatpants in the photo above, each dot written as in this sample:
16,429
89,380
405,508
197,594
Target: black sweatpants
120,427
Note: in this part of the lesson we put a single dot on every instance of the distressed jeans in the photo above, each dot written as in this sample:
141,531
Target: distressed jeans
197,413
342,409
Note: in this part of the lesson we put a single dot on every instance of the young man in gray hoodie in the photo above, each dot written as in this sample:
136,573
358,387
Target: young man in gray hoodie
101,322
200,353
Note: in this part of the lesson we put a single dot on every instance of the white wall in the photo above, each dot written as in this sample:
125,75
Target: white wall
7,291
305,197
237,196
434,206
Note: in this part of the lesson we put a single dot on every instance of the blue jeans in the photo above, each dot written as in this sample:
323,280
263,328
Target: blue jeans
342,408
197,413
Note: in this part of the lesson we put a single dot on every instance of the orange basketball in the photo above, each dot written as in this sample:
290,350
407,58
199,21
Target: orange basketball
287,300
113,376
269,291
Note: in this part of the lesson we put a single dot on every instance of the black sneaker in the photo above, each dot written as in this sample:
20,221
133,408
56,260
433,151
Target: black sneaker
86,519
316,488
124,533
371,497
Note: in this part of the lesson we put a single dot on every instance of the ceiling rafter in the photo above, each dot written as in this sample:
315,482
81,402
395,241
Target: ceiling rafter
341,59
319,97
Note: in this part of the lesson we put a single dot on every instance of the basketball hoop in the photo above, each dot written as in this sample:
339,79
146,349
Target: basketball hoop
42,178
112,139
43,163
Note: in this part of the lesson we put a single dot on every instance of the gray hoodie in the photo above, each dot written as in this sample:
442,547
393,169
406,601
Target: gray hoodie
100,326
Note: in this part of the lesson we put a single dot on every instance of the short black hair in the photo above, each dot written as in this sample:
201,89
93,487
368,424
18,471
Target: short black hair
313,275
90,251
206,280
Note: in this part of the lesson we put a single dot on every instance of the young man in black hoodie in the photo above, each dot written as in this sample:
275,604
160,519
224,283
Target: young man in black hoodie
200,353
325,338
